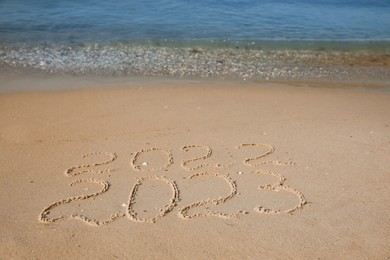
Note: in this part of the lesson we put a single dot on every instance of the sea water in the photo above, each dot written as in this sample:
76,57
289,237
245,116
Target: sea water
253,23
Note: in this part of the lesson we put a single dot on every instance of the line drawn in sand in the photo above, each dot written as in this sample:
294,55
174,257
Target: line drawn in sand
276,187
43,217
204,157
183,212
271,150
71,171
131,214
136,167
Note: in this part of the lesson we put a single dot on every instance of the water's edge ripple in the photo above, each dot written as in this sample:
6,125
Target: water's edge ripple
220,63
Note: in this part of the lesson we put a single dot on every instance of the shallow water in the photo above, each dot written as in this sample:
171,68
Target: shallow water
237,39
182,22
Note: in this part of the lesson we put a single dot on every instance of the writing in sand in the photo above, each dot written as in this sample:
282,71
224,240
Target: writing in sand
195,166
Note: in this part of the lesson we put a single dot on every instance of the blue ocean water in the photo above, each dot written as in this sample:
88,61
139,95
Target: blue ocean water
51,22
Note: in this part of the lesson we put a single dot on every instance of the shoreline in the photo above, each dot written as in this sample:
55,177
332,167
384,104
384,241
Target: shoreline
200,63
17,82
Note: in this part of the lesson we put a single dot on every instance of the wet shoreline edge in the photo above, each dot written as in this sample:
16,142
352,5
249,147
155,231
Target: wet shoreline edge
205,63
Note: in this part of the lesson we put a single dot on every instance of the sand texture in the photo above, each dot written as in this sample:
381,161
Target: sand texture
195,170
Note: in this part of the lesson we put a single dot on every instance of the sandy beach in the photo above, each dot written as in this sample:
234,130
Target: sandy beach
194,170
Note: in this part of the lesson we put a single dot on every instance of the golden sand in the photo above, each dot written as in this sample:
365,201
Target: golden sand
195,170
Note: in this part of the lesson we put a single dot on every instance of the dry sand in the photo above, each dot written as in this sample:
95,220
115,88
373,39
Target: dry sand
195,170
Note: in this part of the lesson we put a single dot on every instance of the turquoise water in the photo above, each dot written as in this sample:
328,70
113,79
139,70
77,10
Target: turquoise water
202,22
